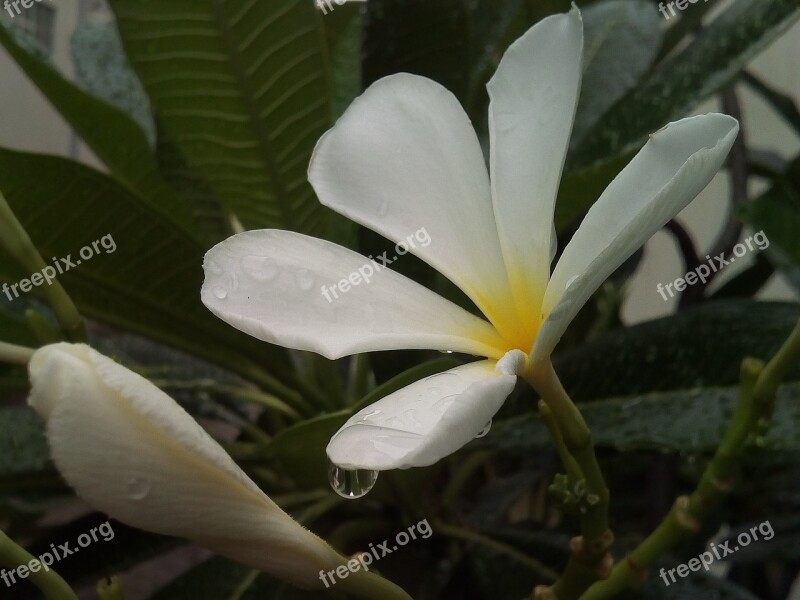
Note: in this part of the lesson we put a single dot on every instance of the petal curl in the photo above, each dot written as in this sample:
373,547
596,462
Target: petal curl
675,165
281,287
130,451
534,94
405,156
425,421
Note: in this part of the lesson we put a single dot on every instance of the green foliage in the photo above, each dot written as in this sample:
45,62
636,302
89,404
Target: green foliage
204,116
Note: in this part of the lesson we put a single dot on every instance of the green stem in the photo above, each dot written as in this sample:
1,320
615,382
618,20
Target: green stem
753,411
589,559
569,462
49,582
15,355
15,239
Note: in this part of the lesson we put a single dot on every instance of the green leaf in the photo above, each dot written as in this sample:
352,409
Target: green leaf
432,367
426,38
690,421
622,39
113,136
244,91
23,447
150,284
300,449
701,347
777,214
675,87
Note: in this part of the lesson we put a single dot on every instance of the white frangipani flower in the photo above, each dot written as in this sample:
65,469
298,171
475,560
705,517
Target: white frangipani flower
130,451
405,156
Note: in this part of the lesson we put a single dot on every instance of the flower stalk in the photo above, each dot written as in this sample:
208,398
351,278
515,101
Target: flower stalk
48,581
590,559
15,240
750,420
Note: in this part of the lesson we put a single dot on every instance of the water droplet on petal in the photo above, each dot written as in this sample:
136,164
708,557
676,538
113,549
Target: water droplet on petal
485,430
138,488
571,280
220,292
351,484
305,279
446,351
261,268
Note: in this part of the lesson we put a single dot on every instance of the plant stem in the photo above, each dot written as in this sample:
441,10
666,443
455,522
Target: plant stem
15,239
15,355
751,417
49,582
589,559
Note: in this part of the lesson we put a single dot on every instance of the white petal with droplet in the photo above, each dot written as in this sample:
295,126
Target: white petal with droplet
130,451
405,157
423,422
305,305
673,167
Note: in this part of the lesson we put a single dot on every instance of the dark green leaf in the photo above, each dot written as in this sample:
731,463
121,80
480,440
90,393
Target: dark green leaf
23,447
709,63
622,39
244,91
701,347
690,421
116,139
150,284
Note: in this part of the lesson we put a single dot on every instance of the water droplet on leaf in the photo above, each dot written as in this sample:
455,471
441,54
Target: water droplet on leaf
351,484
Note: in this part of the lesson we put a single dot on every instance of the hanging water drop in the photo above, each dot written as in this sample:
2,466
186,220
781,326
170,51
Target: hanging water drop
351,484
485,430
138,488
220,292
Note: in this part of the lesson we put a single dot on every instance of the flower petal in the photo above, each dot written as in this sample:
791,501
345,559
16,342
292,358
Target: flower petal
130,451
673,167
533,94
403,157
281,287
425,421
